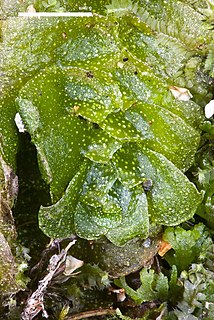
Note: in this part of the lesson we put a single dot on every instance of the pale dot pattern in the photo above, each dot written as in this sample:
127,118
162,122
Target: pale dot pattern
97,105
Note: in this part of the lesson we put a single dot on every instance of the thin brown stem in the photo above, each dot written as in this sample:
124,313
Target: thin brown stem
92,313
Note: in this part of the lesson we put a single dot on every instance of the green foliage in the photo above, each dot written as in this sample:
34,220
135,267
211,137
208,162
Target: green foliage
204,176
41,5
153,287
96,103
121,7
210,58
190,294
9,7
92,276
188,246
208,11
52,5
198,295
193,293
12,7
178,37
113,143
174,15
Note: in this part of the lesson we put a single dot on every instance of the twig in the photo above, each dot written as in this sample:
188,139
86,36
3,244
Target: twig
53,245
35,303
92,313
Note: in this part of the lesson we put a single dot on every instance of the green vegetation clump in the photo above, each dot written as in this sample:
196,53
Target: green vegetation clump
110,108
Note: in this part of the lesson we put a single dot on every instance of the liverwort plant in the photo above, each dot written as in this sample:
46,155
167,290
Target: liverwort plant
113,105
95,96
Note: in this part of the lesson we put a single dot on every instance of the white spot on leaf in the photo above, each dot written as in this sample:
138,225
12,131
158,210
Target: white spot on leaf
19,123
121,296
209,109
182,94
31,9
71,265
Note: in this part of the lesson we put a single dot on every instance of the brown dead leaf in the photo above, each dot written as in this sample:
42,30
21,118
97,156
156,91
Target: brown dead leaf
164,248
